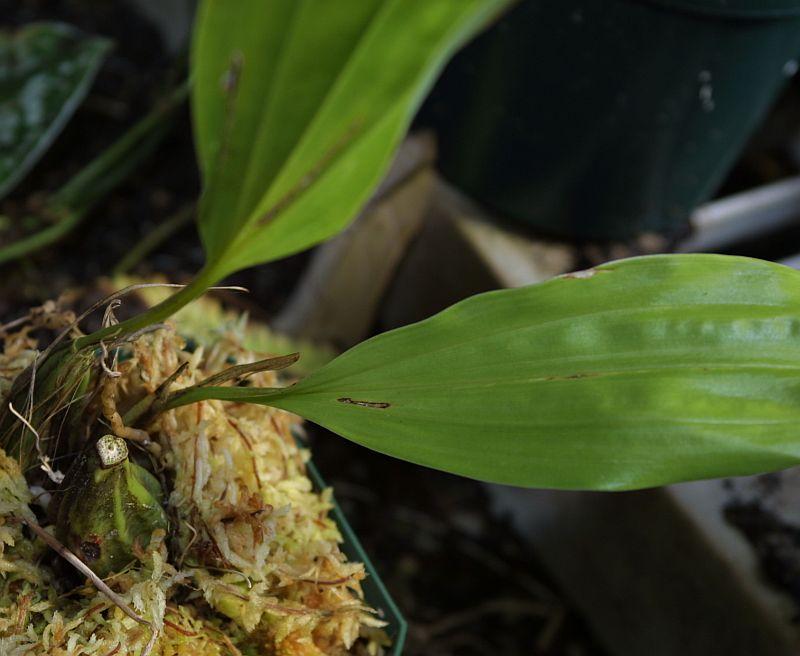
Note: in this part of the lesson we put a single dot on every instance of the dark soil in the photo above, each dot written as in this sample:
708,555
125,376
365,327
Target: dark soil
467,583
775,540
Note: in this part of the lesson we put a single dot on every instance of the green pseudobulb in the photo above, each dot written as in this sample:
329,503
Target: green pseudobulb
108,505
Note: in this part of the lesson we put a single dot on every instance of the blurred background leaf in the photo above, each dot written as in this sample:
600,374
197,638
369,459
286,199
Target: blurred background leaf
46,70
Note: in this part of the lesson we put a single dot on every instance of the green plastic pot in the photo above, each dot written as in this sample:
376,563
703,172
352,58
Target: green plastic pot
375,592
605,119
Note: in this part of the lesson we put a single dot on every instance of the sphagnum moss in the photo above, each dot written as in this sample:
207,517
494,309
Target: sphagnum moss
213,534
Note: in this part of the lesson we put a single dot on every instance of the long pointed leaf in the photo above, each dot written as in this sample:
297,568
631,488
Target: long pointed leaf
298,106
637,373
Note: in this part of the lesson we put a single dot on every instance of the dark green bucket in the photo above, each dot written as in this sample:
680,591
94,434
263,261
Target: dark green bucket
605,119
375,593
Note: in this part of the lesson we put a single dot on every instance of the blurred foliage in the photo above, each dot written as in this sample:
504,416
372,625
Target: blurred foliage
46,70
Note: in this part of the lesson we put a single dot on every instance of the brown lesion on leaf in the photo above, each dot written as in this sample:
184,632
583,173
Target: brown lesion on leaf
313,174
573,376
381,405
229,85
230,79
90,549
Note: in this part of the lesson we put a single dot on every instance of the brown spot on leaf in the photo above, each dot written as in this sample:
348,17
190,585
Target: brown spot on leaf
230,80
90,551
574,376
365,404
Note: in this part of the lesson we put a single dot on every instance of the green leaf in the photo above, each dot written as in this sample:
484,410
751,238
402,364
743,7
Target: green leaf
46,69
298,106
637,373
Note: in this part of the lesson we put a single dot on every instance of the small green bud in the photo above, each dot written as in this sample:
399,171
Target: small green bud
109,504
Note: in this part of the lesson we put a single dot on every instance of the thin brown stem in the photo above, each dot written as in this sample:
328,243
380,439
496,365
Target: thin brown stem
84,569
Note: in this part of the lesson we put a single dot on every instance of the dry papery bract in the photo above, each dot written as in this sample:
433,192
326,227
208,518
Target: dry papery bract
251,564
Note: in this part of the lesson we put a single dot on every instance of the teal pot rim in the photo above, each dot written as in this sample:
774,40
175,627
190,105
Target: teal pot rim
727,9
375,592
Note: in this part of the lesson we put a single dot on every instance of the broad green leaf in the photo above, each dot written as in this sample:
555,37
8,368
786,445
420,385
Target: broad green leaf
637,373
46,69
298,106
